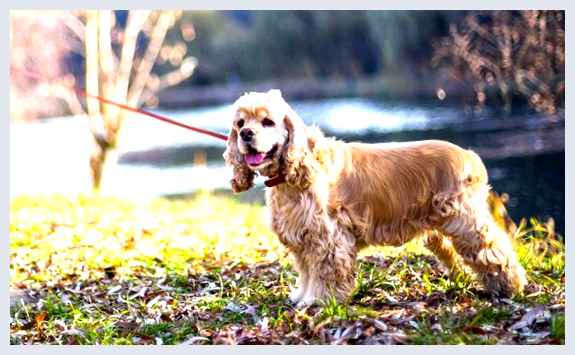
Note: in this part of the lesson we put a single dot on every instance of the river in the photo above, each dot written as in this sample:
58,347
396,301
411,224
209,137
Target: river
524,153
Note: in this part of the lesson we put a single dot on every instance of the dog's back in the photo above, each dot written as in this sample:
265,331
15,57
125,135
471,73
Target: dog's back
393,184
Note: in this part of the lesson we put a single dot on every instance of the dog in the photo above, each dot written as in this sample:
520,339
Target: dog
329,199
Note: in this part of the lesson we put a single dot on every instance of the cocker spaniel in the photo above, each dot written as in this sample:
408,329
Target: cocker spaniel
329,199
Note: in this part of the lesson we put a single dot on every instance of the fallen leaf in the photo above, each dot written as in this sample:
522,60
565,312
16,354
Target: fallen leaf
380,325
114,289
529,317
195,340
153,301
73,331
436,327
40,319
141,293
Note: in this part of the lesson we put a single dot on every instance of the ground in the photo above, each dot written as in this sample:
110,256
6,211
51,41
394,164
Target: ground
208,270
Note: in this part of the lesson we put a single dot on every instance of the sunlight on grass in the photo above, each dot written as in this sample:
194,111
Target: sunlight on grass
52,237
55,237
112,271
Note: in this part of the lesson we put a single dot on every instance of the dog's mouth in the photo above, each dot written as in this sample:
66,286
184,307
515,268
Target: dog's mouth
254,158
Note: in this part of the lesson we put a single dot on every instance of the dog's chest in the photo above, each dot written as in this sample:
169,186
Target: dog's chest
296,215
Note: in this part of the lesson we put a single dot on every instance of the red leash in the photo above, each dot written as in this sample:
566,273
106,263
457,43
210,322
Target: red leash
133,109
156,116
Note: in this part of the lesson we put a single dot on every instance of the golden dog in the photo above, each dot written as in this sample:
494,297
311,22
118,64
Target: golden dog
329,199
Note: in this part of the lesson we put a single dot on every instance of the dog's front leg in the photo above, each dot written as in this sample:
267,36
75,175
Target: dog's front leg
330,266
302,281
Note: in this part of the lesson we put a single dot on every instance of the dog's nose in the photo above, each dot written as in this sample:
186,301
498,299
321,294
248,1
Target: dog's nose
246,134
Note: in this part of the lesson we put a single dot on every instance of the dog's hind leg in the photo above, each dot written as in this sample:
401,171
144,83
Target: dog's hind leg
482,244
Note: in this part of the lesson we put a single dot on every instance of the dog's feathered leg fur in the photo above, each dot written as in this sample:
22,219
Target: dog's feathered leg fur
443,249
483,245
330,268
302,281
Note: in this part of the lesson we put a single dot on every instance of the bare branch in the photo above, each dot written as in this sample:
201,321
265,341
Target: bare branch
108,68
164,22
91,47
509,53
172,78
63,92
74,24
136,20
184,71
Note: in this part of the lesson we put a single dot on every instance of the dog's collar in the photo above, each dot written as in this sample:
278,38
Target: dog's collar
276,180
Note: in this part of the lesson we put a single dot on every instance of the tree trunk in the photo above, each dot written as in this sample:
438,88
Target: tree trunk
110,77
104,119
92,86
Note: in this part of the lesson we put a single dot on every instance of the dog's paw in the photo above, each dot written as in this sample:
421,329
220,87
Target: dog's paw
296,295
306,302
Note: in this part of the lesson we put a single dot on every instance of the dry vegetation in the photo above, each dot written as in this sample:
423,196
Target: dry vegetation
508,54
207,270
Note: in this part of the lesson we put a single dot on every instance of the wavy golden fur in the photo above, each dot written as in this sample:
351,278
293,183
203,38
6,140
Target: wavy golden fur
341,197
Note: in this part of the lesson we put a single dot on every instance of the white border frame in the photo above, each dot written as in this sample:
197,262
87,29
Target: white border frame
281,5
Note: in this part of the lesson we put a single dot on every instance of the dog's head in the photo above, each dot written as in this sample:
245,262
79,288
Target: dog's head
266,137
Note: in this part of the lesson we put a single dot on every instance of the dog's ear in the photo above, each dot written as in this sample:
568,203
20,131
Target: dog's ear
243,178
299,161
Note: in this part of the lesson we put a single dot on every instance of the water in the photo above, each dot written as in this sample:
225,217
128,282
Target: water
524,154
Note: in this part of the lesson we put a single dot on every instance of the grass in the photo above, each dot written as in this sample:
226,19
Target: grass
558,327
207,270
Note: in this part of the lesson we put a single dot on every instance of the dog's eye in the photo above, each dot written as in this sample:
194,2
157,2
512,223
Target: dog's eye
240,123
268,123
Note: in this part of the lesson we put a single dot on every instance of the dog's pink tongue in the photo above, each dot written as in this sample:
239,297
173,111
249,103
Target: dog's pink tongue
255,159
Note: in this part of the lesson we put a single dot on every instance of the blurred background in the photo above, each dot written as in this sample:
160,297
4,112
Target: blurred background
491,81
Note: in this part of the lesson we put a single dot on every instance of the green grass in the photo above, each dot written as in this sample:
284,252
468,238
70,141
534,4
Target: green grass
558,327
490,315
102,270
